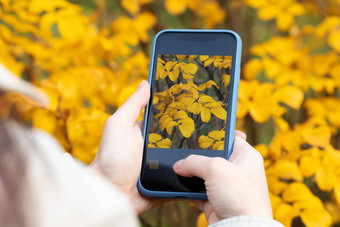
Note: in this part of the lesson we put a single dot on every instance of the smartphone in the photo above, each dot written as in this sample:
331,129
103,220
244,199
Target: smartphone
194,77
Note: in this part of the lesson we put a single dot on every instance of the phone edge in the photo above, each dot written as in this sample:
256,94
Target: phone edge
190,195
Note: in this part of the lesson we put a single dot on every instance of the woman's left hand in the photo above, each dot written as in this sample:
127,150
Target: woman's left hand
120,153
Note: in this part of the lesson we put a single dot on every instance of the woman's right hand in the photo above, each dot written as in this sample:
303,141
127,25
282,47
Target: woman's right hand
235,187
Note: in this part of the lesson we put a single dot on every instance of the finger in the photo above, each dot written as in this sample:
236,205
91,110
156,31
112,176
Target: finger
140,124
240,134
192,166
131,109
243,152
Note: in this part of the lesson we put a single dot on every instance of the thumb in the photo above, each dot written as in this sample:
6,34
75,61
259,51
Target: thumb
200,166
131,109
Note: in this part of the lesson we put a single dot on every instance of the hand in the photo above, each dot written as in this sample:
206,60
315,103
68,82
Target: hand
120,153
235,187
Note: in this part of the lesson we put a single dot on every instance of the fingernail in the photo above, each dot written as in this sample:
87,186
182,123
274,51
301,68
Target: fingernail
141,85
178,164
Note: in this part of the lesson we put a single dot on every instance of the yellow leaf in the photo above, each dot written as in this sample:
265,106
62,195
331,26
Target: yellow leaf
292,96
154,137
205,114
191,58
186,126
217,134
168,66
296,191
204,57
181,114
132,6
316,217
155,100
166,143
319,136
296,9
325,178
170,126
173,75
219,112
196,108
284,21
252,69
164,121
286,170
226,80
189,68
201,221
285,213
271,67
175,7
71,27
204,141
275,185
205,98
337,192
188,76
334,40
219,145
263,149
309,165
208,62
45,120
268,12
181,57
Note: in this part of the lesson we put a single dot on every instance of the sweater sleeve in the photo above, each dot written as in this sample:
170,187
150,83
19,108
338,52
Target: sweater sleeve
247,221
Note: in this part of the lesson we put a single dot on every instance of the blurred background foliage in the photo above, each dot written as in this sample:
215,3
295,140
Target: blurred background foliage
88,56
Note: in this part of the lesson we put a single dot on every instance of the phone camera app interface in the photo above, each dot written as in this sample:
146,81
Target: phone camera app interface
189,113
190,102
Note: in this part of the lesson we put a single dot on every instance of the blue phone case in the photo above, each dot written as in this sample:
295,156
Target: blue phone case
231,122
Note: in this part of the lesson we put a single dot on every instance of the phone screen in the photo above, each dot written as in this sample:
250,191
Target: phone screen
188,115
